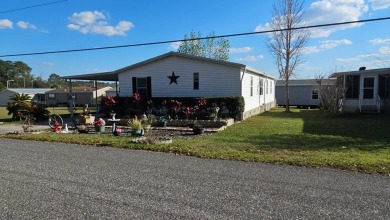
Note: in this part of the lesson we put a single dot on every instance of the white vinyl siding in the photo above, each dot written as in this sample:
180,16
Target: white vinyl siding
217,80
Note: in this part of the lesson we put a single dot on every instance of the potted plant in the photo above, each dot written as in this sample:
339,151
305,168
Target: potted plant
117,132
163,121
99,125
198,128
147,121
136,127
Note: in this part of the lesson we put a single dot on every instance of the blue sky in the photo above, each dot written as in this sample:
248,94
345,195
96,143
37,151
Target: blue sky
75,24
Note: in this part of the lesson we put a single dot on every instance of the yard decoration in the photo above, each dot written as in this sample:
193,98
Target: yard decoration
82,129
56,126
198,128
117,132
99,125
136,127
173,78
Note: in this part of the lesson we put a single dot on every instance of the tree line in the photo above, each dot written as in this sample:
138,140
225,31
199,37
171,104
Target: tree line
17,74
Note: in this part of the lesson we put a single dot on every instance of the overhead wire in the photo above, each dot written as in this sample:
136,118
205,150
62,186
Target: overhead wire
32,6
200,38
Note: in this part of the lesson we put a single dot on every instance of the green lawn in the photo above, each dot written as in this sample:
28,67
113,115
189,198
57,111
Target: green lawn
304,138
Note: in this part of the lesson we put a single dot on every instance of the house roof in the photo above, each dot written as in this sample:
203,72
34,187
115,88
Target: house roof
304,82
360,72
113,76
29,90
77,89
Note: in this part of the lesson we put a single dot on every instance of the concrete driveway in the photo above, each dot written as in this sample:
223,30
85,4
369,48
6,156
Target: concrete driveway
41,180
8,128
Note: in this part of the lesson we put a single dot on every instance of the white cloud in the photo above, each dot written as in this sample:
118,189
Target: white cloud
95,22
380,41
5,23
384,50
26,25
326,45
251,58
330,11
380,4
333,11
174,45
240,50
381,54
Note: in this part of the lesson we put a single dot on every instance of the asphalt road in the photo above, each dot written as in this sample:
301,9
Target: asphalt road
60,181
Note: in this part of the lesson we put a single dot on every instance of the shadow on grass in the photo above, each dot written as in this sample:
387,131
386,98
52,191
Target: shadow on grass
372,127
313,143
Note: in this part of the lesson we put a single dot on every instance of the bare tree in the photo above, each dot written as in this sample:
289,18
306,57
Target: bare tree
331,94
286,43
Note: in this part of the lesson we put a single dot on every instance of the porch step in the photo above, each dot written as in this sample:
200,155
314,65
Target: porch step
369,109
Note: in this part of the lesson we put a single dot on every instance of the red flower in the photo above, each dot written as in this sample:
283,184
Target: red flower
99,122
137,97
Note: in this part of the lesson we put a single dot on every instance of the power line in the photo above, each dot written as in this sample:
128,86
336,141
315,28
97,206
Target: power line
201,38
32,6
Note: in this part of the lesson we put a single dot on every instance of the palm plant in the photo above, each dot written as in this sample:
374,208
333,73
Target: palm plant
19,103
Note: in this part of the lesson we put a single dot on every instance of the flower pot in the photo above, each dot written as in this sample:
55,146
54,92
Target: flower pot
100,128
198,130
137,133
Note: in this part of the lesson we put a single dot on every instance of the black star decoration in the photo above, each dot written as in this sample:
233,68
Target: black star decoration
173,78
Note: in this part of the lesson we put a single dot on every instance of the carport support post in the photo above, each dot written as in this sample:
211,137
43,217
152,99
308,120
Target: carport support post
70,98
116,88
96,96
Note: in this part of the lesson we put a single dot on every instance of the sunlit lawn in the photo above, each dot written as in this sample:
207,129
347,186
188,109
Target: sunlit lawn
304,138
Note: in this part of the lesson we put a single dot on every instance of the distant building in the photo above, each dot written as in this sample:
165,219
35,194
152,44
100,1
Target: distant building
80,95
304,93
36,95
365,90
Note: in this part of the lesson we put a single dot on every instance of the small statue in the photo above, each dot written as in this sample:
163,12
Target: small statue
86,110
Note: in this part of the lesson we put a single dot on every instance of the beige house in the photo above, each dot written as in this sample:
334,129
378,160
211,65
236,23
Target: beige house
80,95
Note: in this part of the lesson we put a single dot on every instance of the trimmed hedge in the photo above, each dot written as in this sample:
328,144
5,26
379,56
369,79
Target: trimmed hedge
126,106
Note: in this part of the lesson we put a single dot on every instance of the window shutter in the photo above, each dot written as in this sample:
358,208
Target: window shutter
149,85
134,85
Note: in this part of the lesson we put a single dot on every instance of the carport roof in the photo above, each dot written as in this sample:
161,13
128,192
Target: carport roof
104,76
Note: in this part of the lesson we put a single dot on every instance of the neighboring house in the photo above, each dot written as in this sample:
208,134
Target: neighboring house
304,93
111,92
179,75
80,95
36,95
365,90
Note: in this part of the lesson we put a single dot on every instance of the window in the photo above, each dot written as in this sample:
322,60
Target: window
196,81
72,96
314,94
51,96
261,86
41,97
251,87
352,85
270,87
266,87
142,86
